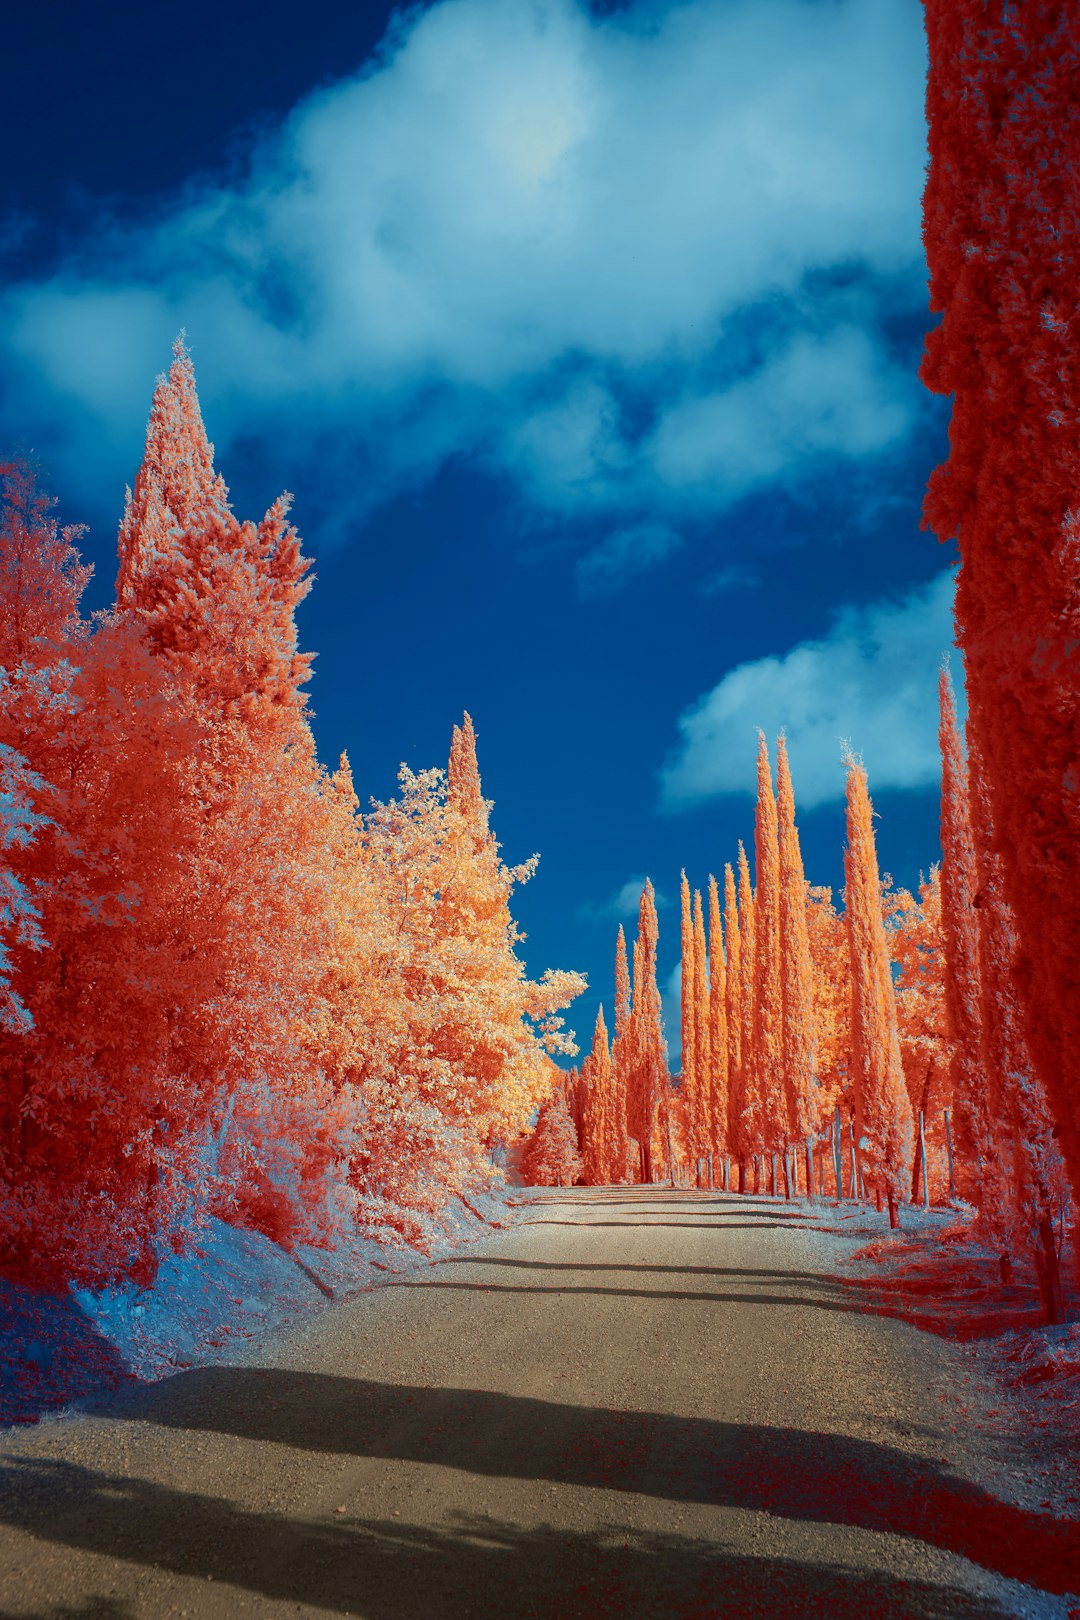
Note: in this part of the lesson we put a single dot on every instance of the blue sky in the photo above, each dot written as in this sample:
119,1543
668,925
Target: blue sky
587,339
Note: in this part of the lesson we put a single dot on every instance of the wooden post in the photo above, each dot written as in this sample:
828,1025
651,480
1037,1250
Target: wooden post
948,1144
922,1159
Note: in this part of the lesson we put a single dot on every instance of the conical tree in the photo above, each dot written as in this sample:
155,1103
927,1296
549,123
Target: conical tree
620,1056
647,1077
718,1030
748,1122
550,1157
736,1130
960,929
796,970
883,1120
767,1089
688,1018
702,1145
596,1152
463,776
176,488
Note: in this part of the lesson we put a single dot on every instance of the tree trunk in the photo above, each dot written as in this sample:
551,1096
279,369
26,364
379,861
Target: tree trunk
1049,1270
894,1212
856,1188
742,1175
1005,1266
809,1168
838,1164
877,1196
921,1160
787,1174
948,1145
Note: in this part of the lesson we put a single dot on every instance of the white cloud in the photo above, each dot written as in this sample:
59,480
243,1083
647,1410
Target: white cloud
518,213
732,577
871,681
622,905
816,397
624,555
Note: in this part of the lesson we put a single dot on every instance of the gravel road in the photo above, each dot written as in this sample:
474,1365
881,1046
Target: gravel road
637,1402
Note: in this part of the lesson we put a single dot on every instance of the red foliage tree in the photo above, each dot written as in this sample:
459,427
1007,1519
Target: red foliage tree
550,1157
1002,233
960,934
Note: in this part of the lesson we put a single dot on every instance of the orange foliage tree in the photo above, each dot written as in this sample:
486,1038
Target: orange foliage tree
626,1156
736,1132
701,1145
748,1100
222,988
646,1071
718,1032
767,1068
796,967
883,1121
550,1157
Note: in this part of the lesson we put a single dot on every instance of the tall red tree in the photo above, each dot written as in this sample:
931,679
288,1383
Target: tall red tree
960,933
1002,233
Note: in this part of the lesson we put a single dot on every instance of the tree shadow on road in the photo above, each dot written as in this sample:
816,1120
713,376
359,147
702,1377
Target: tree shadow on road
467,1565
762,1225
537,1290
817,1279
795,1474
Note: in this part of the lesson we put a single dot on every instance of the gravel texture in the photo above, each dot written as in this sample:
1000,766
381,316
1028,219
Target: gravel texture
636,1402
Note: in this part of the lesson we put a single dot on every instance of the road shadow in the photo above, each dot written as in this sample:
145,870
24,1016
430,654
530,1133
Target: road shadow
846,1307
790,1473
784,1223
467,1565
50,1354
817,1279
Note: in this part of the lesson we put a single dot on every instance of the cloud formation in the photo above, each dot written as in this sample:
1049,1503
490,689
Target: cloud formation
529,235
872,681
622,906
623,556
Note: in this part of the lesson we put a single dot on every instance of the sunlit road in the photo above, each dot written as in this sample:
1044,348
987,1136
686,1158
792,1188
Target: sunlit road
638,1402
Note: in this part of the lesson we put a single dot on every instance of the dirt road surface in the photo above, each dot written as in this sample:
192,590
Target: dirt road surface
638,1402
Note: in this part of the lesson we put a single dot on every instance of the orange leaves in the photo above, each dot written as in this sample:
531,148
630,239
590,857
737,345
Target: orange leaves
796,968
253,1000
765,1088
882,1108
